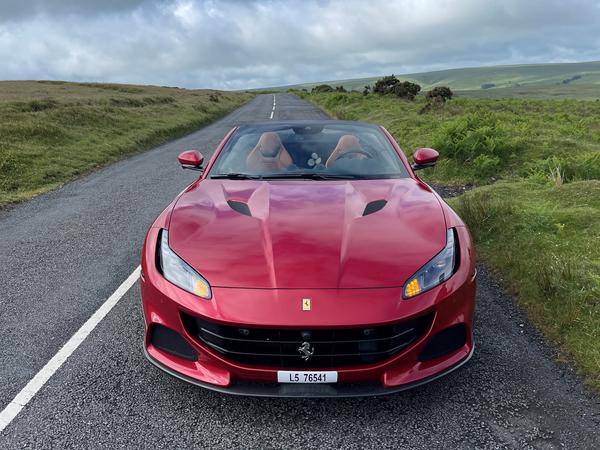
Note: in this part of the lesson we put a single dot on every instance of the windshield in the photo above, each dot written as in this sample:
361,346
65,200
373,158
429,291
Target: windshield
322,151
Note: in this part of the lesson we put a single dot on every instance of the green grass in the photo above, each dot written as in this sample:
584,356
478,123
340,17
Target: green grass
545,242
535,209
523,80
54,131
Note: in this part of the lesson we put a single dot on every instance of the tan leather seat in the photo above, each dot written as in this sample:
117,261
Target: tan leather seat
269,154
347,144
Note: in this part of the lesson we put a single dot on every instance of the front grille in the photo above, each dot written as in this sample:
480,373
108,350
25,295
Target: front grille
281,347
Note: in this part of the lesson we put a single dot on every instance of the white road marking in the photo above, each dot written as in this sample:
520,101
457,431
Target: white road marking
39,380
273,111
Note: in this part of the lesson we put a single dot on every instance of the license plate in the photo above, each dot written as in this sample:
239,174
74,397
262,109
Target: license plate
285,376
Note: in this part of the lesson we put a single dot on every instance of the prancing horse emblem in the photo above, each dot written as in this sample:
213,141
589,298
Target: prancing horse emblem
306,304
306,350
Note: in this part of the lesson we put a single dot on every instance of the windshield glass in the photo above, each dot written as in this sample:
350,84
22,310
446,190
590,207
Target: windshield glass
325,150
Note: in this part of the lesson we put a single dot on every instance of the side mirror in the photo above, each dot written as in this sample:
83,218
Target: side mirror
424,157
192,159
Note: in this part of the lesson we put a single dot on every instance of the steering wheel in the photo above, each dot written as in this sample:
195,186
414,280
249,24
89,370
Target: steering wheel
355,152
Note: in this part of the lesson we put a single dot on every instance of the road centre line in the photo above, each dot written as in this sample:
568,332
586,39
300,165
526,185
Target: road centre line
273,111
41,378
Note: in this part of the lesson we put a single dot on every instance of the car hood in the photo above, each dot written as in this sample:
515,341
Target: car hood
307,234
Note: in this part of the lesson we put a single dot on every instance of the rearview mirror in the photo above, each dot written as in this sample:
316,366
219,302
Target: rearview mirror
192,159
424,157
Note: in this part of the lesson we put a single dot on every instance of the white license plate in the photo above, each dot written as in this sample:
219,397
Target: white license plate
285,376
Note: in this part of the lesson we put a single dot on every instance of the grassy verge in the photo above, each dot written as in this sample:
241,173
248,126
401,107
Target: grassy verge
51,132
535,209
545,242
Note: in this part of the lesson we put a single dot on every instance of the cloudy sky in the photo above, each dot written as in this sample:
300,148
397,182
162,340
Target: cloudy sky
243,44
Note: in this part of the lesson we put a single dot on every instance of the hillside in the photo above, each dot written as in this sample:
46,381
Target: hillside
569,80
53,131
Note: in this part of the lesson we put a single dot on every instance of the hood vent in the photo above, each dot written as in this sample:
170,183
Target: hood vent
240,207
374,206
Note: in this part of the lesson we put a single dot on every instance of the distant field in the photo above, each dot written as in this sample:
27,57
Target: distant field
580,91
574,80
535,210
53,131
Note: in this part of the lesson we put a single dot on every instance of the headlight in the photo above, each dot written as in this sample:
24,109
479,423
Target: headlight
178,272
436,271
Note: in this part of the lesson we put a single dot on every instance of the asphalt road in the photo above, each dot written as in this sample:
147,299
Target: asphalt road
63,253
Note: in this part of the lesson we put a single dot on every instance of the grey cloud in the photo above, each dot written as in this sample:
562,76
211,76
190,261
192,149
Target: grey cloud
240,44
12,10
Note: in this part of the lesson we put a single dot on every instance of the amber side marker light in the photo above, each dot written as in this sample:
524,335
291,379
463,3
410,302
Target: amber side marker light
412,288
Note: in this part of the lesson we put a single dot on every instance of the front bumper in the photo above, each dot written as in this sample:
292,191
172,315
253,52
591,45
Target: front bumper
251,389
451,303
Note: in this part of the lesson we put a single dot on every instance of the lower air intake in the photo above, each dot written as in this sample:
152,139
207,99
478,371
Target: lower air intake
170,341
446,341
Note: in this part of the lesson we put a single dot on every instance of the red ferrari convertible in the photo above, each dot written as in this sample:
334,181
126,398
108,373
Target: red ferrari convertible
308,259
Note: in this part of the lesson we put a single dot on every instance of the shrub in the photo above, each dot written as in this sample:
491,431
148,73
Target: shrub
406,90
367,90
442,92
392,85
322,88
340,89
386,84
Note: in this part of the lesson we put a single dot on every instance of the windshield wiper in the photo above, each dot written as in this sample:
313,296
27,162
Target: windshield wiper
308,176
236,176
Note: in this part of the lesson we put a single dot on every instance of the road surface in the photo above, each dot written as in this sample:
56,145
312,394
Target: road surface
64,253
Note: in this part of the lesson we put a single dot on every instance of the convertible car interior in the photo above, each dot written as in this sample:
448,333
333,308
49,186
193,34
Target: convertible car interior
305,148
